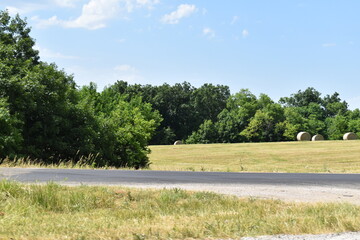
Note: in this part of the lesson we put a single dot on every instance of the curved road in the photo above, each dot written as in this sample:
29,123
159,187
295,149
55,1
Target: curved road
285,186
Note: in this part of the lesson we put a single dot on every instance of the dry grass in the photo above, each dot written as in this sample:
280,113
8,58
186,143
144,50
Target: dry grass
58,212
311,157
29,163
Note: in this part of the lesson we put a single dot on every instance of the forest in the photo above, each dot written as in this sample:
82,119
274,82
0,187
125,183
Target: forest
46,117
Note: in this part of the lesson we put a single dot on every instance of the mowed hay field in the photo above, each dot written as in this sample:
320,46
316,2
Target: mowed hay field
311,157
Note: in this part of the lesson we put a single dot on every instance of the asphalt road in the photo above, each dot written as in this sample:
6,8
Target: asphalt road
119,177
284,186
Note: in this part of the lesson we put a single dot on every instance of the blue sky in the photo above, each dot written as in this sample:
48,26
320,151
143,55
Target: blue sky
275,47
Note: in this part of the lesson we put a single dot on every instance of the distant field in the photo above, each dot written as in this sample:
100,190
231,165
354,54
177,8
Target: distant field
312,157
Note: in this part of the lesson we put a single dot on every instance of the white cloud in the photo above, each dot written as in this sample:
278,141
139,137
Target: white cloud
66,3
93,16
25,8
234,20
121,40
130,5
15,10
204,11
182,11
130,78
108,75
147,3
49,54
245,33
125,68
329,45
209,32
127,73
41,23
96,13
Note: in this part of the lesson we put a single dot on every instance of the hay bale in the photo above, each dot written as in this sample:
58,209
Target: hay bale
350,136
178,142
317,137
303,136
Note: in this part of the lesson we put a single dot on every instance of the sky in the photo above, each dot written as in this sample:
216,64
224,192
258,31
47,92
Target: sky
274,47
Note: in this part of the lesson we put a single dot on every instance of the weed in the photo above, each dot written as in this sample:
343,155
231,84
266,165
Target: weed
139,236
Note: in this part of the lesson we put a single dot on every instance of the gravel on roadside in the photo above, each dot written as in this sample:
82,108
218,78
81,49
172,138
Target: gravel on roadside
335,236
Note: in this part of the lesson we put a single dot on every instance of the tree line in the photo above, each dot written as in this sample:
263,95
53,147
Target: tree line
44,116
210,114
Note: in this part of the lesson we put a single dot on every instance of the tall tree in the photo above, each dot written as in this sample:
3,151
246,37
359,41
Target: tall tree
45,117
182,106
208,101
123,128
333,105
302,98
10,132
241,107
266,125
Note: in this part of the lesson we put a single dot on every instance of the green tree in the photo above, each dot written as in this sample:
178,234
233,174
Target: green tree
172,102
132,124
240,108
10,135
354,126
334,106
302,98
266,125
318,115
15,40
124,128
355,114
208,101
45,117
183,107
336,127
294,123
207,133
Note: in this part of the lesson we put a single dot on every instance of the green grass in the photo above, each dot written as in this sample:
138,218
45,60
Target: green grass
52,211
312,157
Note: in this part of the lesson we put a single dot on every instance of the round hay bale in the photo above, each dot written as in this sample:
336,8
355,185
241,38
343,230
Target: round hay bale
350,136
303,136
317,137
178,142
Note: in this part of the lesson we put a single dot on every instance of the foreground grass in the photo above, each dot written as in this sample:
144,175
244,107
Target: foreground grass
58,212
312,157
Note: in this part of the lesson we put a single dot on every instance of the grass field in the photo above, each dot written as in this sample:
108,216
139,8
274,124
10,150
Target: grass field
311,157
52,211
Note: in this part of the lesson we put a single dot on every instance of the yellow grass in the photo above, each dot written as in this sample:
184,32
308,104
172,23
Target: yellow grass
311,157
52,211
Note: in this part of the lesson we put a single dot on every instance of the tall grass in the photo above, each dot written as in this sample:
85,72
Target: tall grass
52,211
86,162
